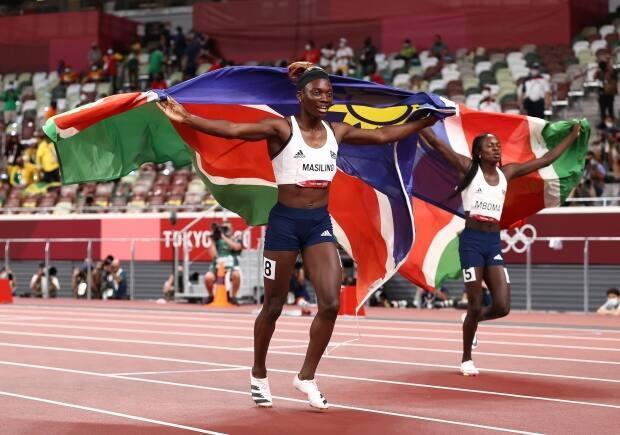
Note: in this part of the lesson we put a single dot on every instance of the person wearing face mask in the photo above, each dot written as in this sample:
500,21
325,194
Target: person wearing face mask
535,93
327,57
311,53
608,77
367,57
594,173
488,103
344,55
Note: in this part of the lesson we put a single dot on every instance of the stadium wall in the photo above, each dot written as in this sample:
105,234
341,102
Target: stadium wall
559,222
256,30
38,42
155,236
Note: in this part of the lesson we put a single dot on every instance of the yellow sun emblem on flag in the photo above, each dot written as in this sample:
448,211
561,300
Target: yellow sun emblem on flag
373,117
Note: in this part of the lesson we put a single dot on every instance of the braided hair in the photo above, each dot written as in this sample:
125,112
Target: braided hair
475,164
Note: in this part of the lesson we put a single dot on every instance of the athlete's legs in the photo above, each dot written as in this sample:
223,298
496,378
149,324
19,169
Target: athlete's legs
495,277
323,265
473,287
277,274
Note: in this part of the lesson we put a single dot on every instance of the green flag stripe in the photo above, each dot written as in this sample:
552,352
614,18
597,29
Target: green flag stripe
118,145
569,166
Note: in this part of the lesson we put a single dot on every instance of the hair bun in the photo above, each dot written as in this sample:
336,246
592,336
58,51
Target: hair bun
296,69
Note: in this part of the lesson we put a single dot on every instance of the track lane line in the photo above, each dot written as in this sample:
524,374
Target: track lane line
249,349
107,412
284,398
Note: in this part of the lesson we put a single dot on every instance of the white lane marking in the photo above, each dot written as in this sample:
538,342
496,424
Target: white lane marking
407,363
249,317
249,349
106,412
289,399
228,369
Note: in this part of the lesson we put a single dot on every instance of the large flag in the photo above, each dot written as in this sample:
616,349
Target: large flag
370,194
439,217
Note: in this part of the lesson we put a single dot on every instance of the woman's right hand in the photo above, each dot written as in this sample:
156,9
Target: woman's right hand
173,110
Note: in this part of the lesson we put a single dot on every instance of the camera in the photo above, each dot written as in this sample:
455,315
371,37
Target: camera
216,231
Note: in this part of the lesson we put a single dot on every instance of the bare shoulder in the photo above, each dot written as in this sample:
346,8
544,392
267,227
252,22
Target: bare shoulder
280,126
340,128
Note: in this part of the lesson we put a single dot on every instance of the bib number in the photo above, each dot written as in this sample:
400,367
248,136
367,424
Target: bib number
269,268
469,275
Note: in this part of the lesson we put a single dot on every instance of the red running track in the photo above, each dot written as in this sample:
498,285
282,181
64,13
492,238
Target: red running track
137,367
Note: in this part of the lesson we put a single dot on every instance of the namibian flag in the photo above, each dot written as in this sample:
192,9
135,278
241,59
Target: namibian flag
439,217
370,194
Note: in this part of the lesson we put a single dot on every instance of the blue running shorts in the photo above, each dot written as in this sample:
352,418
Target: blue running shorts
480,249
293,229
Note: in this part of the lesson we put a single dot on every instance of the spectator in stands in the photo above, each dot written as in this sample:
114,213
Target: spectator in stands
535,93
95,75
611,307
132,66
46,160
110,69
10,104
376,77
408,52
42,285
608,77
7,273
191,55
225,247
60,68
21,173
52,110
439,49
311,53
418,84
344,56
594,172
115,281
327,56
156,62
94,55
68,76
158,82
179,46
488,103
12,148
367,57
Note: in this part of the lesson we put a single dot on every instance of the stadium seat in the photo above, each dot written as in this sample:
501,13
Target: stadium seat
606,30
482,66
203,68
595,46
402,81
8,79
62,208
473,100
580,46
104,88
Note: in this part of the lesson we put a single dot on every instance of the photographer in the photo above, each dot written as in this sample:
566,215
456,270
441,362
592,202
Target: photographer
114,281
41,286
226,247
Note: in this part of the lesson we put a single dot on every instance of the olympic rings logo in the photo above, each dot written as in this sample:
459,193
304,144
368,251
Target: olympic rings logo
520,240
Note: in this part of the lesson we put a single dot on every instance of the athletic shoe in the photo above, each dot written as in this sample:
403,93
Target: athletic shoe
311,389
474,343
469,369
260,392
